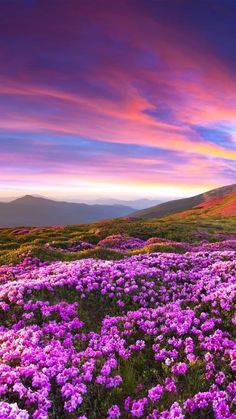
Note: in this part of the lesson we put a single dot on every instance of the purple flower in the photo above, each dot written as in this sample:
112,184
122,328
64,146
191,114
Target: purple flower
170,385
189,405
155,393
127,403
114,412
179,369
137,409
176,411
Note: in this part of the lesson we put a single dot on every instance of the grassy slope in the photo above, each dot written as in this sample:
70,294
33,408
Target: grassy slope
215,207
187,204
13,243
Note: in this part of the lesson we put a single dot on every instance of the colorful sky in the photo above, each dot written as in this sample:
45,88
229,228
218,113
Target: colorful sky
128,98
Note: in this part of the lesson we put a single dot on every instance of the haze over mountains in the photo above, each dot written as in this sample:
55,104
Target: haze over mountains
217,202
36,211
136,203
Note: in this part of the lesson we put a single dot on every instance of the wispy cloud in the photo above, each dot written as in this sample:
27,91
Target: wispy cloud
118,94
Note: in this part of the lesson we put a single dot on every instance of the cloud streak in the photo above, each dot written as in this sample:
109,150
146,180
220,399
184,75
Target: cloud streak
150,80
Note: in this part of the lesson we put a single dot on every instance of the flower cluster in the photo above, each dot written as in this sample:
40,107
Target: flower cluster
152,335
72,247
124,243
121,243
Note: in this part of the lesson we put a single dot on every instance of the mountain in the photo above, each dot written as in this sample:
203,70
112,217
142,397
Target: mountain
136,203
36,211
217,202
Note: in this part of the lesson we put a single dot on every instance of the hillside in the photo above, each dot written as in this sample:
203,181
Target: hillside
115,320
47,243
35,211
217,202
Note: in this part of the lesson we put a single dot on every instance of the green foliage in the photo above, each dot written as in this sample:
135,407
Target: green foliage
13,243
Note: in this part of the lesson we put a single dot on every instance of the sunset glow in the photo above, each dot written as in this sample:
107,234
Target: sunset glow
122,99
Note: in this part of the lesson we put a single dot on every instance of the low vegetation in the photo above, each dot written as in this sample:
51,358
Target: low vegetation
17,241
120,319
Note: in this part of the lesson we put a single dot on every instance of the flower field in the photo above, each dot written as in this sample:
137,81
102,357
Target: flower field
151,335
124,244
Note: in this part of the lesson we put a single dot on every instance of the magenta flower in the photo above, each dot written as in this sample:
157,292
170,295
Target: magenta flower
114,412
137,409
155,393
179,369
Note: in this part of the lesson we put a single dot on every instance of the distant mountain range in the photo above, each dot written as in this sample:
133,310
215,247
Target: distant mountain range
136,203
36,211
217,202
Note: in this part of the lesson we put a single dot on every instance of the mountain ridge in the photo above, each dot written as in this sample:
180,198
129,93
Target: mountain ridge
176,207
136,204
36,211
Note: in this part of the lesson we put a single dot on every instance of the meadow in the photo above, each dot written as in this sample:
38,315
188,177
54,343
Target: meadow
17,241
119,319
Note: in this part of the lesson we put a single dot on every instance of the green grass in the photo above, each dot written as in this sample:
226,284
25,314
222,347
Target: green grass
12,245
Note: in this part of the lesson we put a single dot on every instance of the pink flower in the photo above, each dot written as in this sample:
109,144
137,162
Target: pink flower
179,369
114,412
155,393
170,385
137,409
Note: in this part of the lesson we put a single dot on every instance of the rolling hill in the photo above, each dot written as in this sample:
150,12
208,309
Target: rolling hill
35,211
217,202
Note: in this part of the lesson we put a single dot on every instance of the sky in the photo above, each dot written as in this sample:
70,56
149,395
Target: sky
122,99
